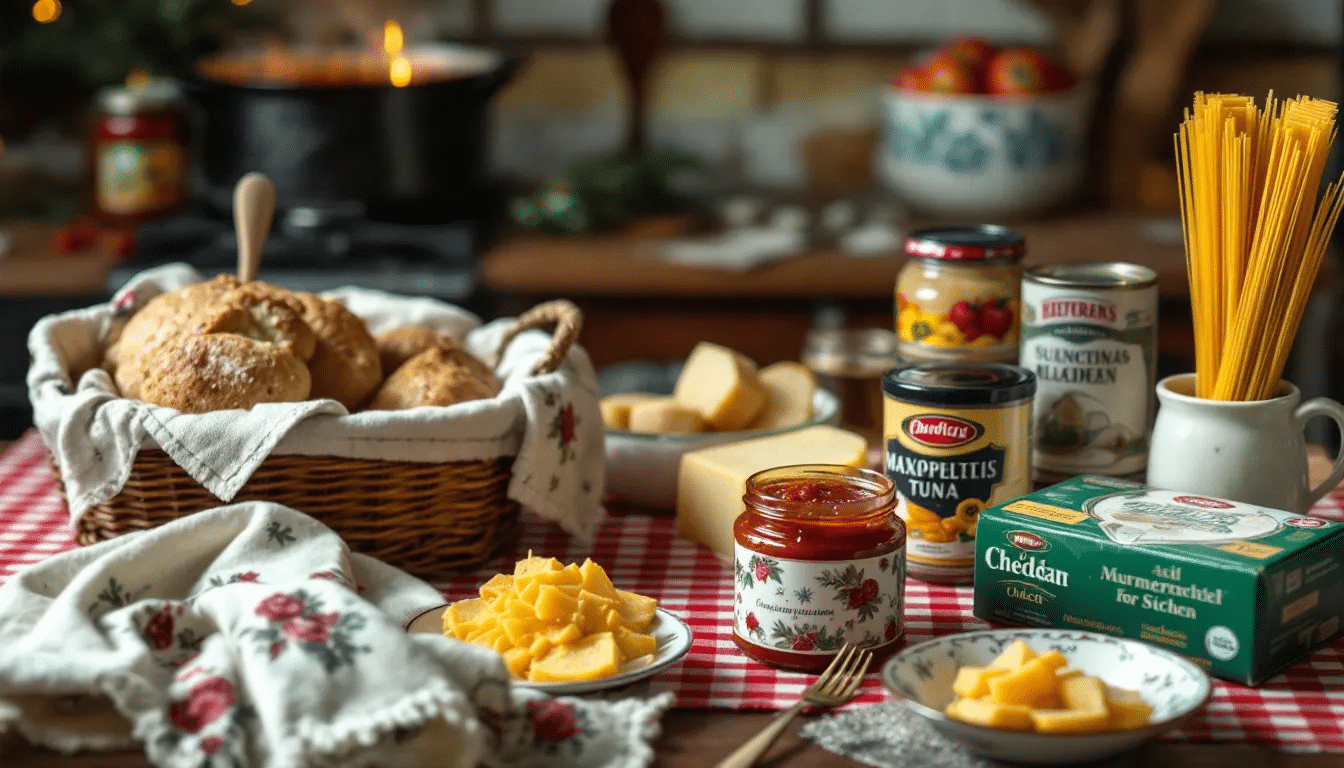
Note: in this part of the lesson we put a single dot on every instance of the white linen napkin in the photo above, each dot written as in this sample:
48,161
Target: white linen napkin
551,422
248,635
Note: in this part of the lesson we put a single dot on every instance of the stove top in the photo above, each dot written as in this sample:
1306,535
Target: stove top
317,250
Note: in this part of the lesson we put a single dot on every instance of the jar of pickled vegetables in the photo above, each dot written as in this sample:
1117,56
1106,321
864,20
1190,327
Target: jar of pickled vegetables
958,295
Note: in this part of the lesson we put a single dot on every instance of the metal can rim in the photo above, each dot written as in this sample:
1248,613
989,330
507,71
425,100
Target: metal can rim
1140,277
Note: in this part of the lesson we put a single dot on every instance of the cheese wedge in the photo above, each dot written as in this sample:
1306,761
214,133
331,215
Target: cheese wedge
616,408
712,480
789,387
663,416
722,385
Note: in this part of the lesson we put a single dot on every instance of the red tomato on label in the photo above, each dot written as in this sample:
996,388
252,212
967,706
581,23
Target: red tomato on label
1018,71
945,74
910,78
970,50
121,243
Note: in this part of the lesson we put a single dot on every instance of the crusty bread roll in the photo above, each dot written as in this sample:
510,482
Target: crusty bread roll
161,319
345,364
436,376
260,312
198,373
397,346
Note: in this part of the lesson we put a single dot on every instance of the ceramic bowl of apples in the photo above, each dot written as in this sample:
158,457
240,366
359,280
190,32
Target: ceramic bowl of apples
980,131
719,396
1046,696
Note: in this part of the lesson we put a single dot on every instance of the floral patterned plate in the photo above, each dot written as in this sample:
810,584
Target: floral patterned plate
921,677
671,633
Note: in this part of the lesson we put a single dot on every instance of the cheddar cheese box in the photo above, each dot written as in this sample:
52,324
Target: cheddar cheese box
1244,590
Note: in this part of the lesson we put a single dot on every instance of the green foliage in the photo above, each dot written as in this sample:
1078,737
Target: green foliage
104,40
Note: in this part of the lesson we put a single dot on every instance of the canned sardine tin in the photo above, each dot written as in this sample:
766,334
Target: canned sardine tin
1089,334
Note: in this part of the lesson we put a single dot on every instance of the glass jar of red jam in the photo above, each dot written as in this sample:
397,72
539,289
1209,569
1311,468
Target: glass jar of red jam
139,152
819,561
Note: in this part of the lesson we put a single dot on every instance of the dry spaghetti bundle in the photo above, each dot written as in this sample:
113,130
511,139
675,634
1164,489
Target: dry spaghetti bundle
1255,232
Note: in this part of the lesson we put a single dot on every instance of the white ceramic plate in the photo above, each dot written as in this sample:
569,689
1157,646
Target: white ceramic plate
921,677
671,633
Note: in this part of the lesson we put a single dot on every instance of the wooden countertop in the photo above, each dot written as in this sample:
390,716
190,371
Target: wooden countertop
625,266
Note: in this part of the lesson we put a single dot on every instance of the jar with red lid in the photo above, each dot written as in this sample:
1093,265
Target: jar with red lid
139,152
819,561
958,296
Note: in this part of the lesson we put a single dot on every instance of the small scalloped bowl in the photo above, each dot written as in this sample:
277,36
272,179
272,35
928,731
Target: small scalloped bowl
921,677
642,467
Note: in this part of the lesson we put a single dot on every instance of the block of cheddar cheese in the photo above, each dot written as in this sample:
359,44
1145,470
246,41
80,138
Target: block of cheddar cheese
712,480
789,387
616,408
722,385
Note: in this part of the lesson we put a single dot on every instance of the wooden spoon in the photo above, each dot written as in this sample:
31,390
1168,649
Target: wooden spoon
253,210
639,30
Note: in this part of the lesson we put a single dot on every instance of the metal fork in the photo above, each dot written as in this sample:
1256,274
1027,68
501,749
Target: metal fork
834,687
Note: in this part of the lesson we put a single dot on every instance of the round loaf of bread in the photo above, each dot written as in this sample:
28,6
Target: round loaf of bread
163,318
344,364
436,376
397,346
199,373
263,313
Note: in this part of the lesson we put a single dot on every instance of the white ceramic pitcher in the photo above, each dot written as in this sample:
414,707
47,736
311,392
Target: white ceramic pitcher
1252,452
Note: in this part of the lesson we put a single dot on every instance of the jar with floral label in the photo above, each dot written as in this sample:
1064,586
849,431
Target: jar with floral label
819,562
139,152
958,296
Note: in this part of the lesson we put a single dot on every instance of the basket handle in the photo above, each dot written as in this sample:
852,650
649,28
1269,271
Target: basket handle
566,318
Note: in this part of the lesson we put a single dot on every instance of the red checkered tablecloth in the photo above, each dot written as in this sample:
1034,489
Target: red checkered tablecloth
1301,710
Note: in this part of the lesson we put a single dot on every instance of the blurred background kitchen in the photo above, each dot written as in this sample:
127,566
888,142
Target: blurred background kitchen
740,171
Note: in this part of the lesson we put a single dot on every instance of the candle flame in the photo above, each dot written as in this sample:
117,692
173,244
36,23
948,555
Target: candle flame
46,11
393,38
394,41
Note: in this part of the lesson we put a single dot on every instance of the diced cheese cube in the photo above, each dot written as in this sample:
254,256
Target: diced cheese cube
569,575
1030,683
973,682
636,611
1068,720
518,660
555,604
1015,655
721,385
616,408
1012,717
789,388
465,616
563,634
1126,708
665,416
712,480
593,657
533,564
634,644
1083,692
499,584
595,579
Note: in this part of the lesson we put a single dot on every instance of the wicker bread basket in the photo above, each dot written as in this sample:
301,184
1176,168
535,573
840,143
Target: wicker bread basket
426,518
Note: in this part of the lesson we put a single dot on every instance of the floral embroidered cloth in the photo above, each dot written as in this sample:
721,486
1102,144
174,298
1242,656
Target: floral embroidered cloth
550,423
249,635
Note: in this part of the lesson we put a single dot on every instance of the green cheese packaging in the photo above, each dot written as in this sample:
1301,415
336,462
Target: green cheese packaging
1243,590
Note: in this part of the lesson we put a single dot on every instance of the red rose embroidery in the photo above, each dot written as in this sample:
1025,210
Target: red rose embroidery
753,623
855,599
552,720
567,424
761,571
211,744
249,576
276,648
205,703
869,589
279,607
804,642
159,628
308,629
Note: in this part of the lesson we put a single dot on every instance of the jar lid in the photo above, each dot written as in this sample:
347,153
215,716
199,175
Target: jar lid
960,384
978,243
155,93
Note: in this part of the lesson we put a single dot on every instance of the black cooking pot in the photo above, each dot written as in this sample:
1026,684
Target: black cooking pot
400,154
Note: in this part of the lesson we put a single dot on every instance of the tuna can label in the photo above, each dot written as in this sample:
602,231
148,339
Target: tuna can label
1093,352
